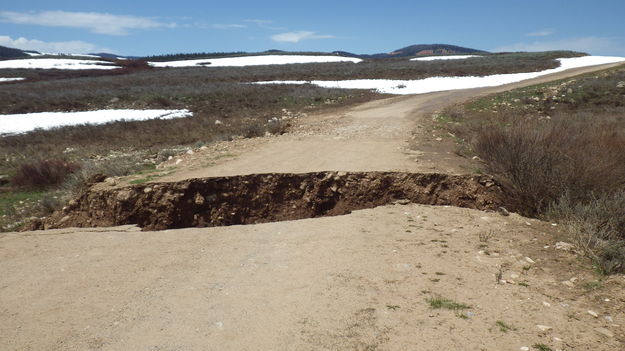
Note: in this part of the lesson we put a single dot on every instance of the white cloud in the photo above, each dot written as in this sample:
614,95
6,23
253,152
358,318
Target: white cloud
259,22
296,37
229,26
74,46
541,33
100,23
592,45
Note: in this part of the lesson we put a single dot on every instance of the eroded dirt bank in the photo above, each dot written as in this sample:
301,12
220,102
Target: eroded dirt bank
260,198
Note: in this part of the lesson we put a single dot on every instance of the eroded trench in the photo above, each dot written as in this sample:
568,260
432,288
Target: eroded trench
260,198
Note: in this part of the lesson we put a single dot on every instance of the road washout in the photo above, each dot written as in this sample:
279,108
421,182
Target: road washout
261,198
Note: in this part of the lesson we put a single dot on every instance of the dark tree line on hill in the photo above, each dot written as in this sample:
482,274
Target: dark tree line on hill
9,53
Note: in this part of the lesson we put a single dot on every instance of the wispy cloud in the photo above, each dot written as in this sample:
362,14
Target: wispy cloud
541,33
593,45
67,47
259,22
228,26
296,37
100,23
265,24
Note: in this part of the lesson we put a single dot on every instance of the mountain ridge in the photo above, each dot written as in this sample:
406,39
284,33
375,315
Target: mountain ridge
408,51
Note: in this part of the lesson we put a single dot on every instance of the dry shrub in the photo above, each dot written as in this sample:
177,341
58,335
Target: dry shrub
569,169
43,173
597,227
539,161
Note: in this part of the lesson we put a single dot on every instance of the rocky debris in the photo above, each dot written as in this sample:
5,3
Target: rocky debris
502,211
260,198
593,313
569,283
96,178
543,328
605,332
561,245
4,179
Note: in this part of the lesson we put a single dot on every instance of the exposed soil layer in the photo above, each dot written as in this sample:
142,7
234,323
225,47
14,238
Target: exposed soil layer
260,198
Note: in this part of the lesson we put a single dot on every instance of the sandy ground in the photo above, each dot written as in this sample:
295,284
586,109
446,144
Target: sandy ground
355,282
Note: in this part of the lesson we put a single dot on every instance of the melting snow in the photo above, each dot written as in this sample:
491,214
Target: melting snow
255,61
10,79
22,123
54,63
428,85
454,57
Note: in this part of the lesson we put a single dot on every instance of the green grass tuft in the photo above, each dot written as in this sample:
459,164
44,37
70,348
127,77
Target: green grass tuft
444,303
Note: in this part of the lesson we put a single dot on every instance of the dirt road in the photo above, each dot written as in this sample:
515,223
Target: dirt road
365,281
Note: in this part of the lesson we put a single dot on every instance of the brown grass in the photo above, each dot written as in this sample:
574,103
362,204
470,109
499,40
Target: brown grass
541,160
559,150
43,173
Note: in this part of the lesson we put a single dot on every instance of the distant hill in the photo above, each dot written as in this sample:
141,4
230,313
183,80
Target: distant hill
418,50
408,51
10,53
433,49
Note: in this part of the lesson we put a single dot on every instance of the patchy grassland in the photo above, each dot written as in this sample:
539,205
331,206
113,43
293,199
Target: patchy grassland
559,148
224,107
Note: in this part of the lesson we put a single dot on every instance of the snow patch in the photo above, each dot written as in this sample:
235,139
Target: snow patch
22,123
451,57
433,84
255,61
10,79
54,63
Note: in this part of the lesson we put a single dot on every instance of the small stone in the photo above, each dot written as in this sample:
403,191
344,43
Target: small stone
609,319
561,245
514,275
546,304
402,202
178,161
502,211
204,147
524,348
543,327
529,260
593,313
218,122
110,181
402,267
568,283
190,152
147,190
555,338
439,139
604,332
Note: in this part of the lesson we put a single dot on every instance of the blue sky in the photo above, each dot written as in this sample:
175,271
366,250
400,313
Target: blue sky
157,27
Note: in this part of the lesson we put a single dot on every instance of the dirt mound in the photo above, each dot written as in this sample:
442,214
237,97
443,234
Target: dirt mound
260,198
